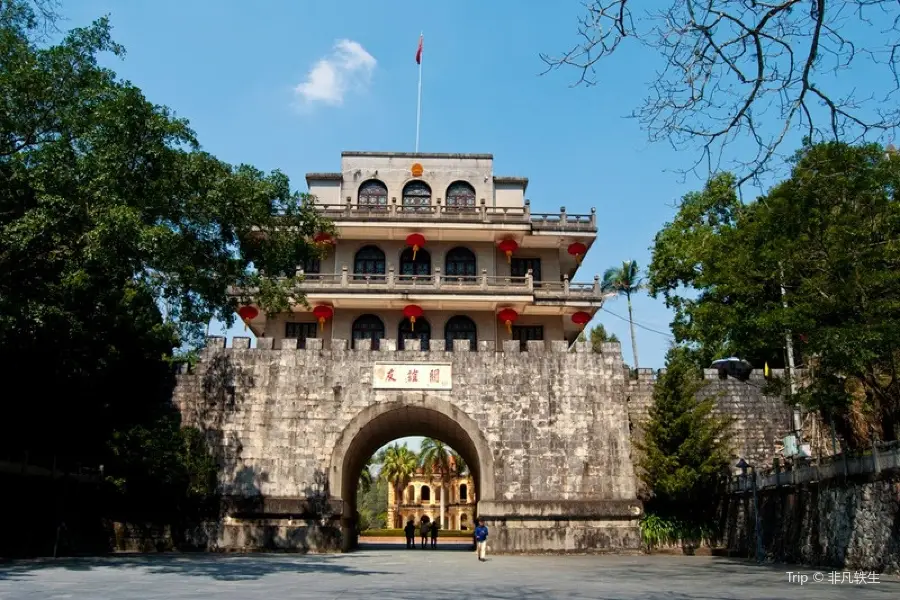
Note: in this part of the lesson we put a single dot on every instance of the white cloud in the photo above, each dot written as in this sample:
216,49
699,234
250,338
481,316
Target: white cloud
348,67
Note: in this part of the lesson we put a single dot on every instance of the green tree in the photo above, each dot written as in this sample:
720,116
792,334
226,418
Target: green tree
598,336
625,281
398,465
815,260
437,459
685,448
119,239
365,476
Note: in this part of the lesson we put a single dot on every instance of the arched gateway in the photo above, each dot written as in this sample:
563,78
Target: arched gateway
545,433
413,414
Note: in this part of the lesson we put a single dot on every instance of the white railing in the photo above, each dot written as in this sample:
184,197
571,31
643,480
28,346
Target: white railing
482,213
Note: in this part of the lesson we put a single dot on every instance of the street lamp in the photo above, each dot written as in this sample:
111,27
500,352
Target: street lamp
743,465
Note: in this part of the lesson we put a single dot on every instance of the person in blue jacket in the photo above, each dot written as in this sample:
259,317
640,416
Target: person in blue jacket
481,535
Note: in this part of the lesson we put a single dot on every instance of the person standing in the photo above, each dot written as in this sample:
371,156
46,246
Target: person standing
434,534
410,530
481,535
423,531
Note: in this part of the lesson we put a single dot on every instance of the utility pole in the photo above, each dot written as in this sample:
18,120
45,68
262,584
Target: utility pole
789,348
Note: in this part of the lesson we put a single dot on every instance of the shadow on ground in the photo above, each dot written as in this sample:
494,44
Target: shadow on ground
221,567
393,547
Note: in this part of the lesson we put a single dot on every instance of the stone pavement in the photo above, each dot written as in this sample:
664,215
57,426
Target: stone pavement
396,574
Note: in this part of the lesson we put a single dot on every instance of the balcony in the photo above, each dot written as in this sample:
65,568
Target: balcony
484,284
440,214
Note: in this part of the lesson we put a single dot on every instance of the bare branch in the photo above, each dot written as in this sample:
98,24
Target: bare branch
760,70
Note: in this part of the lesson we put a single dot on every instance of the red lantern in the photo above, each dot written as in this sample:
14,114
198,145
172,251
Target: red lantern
508,315
508,247
323,238
247,313
412,312
581,318
577,249
416,240
323,312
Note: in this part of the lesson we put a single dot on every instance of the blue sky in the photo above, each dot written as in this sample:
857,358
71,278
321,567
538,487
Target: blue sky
236,70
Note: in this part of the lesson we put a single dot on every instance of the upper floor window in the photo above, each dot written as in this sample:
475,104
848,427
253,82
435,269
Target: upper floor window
420,331
463,493
368,327
301,331
416,196
524,333
311,266
425,493
460,196
460,264
373,194
369,261
519,268
411,268
460,327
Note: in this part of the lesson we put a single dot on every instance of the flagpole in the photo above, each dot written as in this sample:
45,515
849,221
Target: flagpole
419,101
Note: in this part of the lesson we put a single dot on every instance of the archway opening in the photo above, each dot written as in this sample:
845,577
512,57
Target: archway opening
363,446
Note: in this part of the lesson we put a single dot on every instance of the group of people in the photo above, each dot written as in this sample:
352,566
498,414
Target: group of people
426,530
429,530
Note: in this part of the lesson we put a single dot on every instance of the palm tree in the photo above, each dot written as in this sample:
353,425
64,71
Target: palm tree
436,457
398,465
625,281
365,476
461,469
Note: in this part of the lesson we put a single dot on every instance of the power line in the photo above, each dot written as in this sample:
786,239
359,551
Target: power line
638,324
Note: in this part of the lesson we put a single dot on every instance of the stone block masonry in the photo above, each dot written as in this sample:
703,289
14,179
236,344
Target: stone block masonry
545,433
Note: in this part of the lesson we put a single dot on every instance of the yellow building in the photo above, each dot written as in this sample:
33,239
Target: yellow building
422,497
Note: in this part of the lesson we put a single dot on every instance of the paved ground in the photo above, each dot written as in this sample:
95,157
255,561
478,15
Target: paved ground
396,573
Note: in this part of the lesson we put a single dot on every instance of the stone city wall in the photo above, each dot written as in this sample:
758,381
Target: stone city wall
545,432
825,519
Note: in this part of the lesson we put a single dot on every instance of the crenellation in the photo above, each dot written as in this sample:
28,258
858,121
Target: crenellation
338,346
583,347
314,344
462,345
511,346
487,346
289,343
412,345
265,343
387,345
240,343
559,346
437,345
362,344
614,348
535,346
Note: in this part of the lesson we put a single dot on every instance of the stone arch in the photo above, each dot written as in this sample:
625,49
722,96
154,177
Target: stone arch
410,414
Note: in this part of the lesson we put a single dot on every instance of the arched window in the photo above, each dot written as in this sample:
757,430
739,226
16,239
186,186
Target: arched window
411,269
461,327
422,333
460,264
460,196
425,493
410,495
368,327
373,195
416,197
463,493
369,261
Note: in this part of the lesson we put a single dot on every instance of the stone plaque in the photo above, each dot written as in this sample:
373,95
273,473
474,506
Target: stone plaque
412,376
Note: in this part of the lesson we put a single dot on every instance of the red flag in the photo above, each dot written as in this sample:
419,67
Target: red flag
419,52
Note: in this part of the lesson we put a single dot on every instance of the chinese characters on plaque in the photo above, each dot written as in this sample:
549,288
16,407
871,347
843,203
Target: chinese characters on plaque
412,376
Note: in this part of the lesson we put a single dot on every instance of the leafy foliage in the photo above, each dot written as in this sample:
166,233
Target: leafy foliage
685,448
162,471
119,239
372,505
398,465
829,235
598,336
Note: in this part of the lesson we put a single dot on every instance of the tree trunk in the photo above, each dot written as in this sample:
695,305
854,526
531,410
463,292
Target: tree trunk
633,340
443,522
398,519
